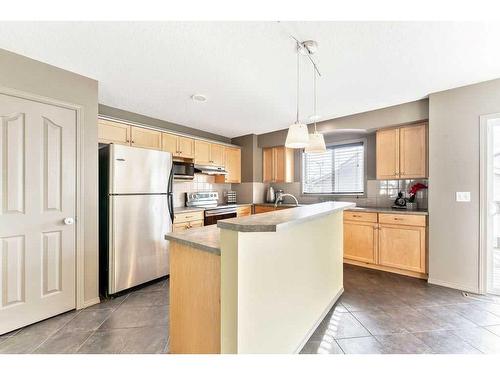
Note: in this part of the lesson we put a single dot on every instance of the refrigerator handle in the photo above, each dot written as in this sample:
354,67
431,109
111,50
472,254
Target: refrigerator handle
170,194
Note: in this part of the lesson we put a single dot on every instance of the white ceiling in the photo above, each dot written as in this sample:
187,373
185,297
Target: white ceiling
247,69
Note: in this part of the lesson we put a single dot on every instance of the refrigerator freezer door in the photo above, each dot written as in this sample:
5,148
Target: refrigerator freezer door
136,170
138,249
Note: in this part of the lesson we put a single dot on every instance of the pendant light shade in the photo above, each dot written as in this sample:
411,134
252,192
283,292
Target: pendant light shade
316,143
316,140
297,137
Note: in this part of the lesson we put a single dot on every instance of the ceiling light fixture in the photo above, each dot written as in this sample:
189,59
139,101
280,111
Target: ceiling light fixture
199,98
298,136
316,140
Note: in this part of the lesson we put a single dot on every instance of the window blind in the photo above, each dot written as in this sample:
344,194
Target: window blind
339,170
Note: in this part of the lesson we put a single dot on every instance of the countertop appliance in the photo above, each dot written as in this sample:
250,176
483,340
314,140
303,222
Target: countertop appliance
135,213
270,196
183,170
209,201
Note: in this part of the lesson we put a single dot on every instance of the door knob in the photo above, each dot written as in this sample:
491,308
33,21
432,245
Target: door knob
69,220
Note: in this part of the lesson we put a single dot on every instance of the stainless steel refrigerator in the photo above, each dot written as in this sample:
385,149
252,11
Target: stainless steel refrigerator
135,213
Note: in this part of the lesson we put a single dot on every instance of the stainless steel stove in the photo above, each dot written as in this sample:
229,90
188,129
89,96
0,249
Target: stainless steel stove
209,201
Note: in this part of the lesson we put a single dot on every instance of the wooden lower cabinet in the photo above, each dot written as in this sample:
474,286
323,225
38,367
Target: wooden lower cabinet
176,227
380,244
244,211
261,208
402,247
360,241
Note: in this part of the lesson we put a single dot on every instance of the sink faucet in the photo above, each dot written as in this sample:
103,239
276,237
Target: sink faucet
280,197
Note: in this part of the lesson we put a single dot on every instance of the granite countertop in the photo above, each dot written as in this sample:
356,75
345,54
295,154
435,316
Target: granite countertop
389,210
204,238
276,220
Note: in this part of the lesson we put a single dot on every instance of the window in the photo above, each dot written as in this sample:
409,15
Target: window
339,170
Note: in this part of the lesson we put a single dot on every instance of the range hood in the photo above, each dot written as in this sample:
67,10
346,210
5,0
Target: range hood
209,169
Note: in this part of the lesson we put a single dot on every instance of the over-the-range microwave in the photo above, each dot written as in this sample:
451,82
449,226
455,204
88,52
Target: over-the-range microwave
183,170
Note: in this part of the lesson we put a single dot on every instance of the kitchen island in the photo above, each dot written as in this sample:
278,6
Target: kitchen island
255,284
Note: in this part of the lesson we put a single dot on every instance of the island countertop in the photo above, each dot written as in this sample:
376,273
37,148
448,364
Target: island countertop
276,220
204,238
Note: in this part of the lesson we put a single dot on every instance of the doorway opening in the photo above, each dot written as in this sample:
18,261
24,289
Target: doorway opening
490,205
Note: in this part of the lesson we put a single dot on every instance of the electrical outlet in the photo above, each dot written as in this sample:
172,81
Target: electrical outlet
463,196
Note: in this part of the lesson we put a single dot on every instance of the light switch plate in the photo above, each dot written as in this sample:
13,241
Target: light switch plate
463,196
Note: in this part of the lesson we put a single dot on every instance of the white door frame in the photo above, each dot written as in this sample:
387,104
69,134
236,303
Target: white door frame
79,217
483,200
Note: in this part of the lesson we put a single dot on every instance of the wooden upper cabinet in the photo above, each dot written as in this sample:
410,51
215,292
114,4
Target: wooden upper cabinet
402,247
145,138
232,163
402,152
207,153
217,154
387,154
361,241
201,152
169,143
179,146
413,151
267,165
113,132
277,164
185,147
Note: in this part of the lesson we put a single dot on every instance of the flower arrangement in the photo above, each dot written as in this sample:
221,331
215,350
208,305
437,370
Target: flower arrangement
414,189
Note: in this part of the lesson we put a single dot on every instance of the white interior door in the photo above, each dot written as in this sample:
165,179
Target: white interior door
493,205
37,211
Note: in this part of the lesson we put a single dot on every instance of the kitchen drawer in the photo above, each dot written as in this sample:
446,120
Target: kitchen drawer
244,211
404,219
370,217
187,225
182,217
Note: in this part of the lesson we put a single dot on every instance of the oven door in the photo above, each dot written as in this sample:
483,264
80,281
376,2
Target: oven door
183,170
212,218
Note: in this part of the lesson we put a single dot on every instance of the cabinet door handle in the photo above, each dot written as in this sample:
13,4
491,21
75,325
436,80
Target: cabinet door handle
132,142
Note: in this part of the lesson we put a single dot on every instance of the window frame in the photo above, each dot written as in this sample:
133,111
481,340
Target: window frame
333,144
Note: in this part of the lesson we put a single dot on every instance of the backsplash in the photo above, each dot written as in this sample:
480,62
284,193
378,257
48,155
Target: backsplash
201,182
379,193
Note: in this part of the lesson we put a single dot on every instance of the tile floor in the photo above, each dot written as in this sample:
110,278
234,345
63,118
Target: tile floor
133,323
378,313
382,313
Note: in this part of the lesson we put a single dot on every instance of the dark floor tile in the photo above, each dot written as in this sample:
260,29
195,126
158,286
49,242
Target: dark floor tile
446,342
111,303
403,343
412,320
147,299
22,343
129,317
87,320
339,325
11,333
474,313
50,326
155,287
480,338
321,347
142,340
63,343
379,322
447,319
361,345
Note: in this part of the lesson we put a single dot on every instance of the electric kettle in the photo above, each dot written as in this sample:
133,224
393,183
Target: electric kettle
270,196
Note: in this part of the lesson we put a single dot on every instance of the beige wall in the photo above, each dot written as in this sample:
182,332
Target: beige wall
454,166
31,76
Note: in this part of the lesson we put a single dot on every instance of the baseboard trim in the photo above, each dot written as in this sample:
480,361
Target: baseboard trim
318,322
452,285
91,302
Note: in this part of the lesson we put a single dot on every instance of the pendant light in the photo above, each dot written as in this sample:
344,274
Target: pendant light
316,140
298,136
